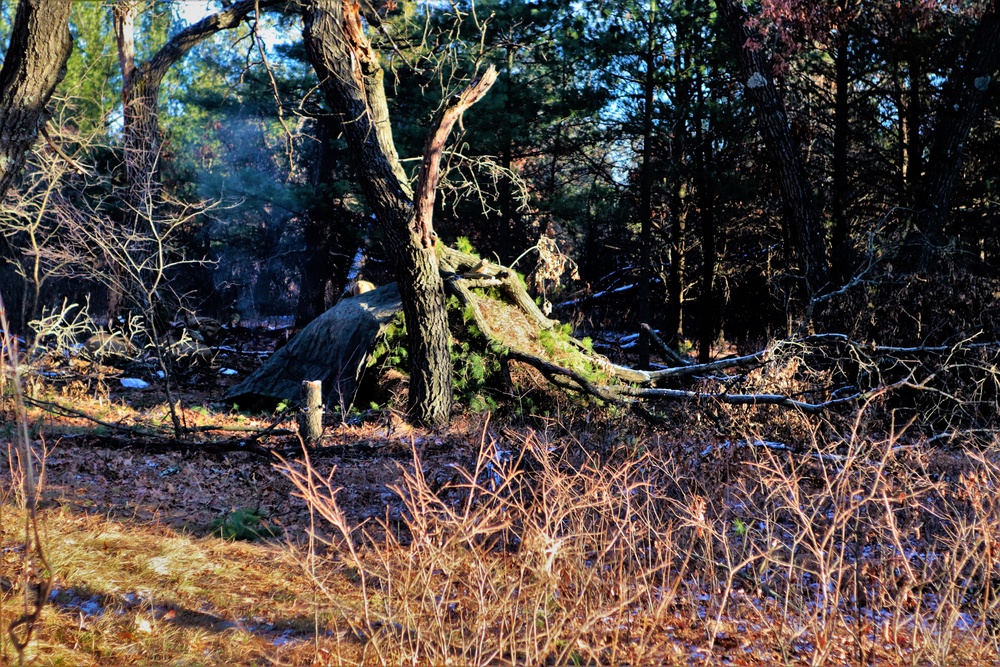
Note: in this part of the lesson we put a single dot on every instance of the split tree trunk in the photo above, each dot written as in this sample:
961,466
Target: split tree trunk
352,82
36,58
141,90
141,137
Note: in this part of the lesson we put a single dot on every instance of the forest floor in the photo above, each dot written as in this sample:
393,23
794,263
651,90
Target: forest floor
581,537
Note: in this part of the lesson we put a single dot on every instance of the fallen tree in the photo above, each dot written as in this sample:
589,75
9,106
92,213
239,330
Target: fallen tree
827,371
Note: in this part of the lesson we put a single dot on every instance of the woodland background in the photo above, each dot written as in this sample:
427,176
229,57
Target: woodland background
622,132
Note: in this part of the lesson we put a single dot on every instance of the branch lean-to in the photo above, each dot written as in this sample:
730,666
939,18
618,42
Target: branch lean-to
891,367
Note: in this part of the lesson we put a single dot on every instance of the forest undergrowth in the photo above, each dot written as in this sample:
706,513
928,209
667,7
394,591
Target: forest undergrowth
730,535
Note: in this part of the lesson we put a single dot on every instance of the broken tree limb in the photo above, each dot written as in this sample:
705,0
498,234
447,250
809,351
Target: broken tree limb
468,301
739,399
577,382
554,373
470,267
667,351
684,372
757,358
891,349
779,400
430,167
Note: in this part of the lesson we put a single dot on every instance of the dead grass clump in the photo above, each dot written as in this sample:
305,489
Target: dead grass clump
130,594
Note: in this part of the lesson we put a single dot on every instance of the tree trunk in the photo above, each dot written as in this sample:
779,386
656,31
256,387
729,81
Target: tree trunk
505,195
843,267
913,165
352,82
800,207
965,93
705,190
646,190
674,321
36,58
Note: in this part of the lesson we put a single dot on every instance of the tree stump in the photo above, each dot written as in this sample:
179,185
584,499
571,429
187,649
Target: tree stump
311,415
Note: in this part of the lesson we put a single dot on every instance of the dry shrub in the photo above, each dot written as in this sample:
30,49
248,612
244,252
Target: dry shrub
861,550
957,297
530,559
26,581
849,549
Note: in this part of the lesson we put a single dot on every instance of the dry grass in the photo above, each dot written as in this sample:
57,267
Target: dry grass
127,594
863,552
537,551
595,542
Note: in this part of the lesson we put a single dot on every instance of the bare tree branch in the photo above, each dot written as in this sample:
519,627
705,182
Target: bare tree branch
430,167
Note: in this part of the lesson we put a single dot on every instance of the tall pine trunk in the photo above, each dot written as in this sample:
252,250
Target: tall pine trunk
801,212
646,190
843,267
141,137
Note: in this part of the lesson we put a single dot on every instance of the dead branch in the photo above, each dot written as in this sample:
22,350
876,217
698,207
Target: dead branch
76,166
564,378
65,411
30,488
667,351
740,399
167,444
685,372
430,167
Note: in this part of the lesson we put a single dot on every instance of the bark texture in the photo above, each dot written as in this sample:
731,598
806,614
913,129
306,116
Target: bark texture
36,58
800,206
